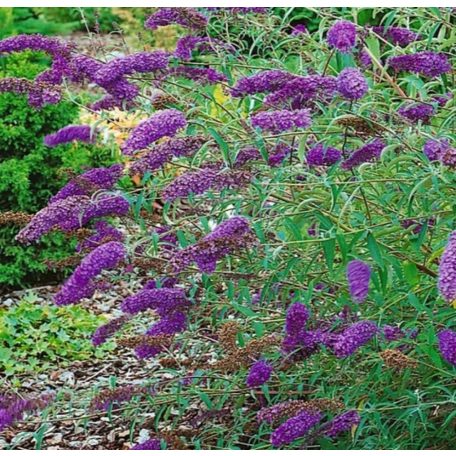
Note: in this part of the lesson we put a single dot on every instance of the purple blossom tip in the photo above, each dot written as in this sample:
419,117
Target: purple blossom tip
342,36
358,276
352,84
259,374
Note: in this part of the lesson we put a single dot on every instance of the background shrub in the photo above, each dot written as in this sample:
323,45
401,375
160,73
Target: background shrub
30,172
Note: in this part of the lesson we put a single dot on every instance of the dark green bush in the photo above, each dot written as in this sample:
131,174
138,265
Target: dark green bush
30,172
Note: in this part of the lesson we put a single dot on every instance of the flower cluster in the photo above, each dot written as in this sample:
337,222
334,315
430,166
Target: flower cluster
80,284
104,232
342,36
199,182
321,155
415,112
301,91
163,123
70,133
259,374
447,345
434,149
151,444
342,423
163,300
262,82
13,407
426,63
397,35
367,153
39,93
351,84
163,153
203,44
59,51
358,276
350,340
90,182
279,121
204,75
447,270
141,62
229,236
187,17
294,428
104,332
71,213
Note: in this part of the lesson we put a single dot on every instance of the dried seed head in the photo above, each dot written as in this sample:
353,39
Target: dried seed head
395,359
14,218
227,336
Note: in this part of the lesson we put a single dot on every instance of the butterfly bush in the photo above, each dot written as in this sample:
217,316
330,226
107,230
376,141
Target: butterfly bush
246,174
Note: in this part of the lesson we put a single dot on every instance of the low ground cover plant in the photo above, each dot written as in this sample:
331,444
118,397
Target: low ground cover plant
282,209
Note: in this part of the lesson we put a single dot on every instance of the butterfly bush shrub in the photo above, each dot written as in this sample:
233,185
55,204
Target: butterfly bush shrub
283,215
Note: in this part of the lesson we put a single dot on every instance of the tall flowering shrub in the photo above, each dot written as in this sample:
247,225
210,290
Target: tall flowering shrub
281,213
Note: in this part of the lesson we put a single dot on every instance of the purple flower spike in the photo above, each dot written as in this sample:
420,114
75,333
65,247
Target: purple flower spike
415,112
163,123
353,338
294,428
141,62
278,121
80,284
342,36
447,345
320,155
447,270
163,300
39,93
427,63
90,182
351,84
397,35
368,153
259,374
71,213
296,319
262,82
358,276
229,236
342,423
435,148
104,332
187,17
70,133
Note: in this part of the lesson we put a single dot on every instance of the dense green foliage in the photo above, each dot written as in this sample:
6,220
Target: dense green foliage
36,337
30,172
